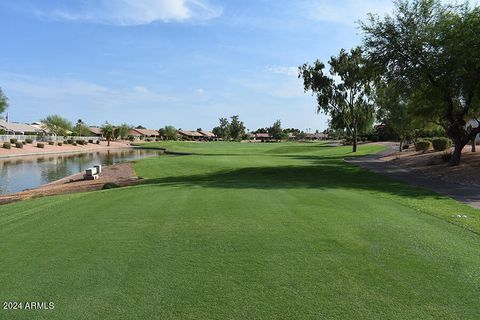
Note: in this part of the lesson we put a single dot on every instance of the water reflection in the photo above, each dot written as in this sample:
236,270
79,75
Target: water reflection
17,174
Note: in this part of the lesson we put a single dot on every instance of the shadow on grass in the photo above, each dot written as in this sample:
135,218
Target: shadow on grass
317,173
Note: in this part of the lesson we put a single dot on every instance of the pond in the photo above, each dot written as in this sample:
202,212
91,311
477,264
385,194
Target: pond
18,174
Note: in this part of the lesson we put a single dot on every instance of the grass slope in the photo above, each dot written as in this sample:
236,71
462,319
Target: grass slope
237,231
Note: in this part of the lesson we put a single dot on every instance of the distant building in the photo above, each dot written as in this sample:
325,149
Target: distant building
19,128
191,135
263,137
143,134
316,136
96,131
209,135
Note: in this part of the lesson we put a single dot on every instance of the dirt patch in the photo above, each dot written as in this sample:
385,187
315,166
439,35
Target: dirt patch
432,165
121,174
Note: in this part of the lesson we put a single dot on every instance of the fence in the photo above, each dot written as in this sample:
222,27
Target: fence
7,137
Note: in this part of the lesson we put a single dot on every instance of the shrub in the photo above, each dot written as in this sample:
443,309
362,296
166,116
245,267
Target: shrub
80,142
90,141
406,146
423,145
13,141
98,141
51,143
7,145
374,138
74,144
441,144
70,141
24,143
41,145
30,141
59,144
19,145
110,185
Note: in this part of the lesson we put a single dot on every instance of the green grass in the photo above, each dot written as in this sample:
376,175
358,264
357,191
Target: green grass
244,231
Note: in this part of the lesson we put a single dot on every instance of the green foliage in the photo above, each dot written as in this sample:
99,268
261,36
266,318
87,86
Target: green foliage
223,130
122,131
236,129
7,145
169,133
423,145
19,145
441,144
431,49
13,141
51,143
276,131
3,101
108,131
81,129
57,125
59,144
344,93
29,141
40,145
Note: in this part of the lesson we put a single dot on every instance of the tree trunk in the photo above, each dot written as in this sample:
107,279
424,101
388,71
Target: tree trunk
354,140
108,142
474,144
457,152
401,144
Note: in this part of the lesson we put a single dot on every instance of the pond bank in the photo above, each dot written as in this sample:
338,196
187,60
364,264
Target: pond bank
122,174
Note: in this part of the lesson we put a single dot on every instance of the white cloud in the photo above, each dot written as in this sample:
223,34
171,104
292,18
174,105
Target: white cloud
288,71
344,11
65,90
136,12
200,92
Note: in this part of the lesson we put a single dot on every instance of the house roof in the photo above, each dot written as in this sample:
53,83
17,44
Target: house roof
18,127
190,133
147,132
208,134
95,130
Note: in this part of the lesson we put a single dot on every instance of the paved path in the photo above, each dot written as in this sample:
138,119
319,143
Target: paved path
467,194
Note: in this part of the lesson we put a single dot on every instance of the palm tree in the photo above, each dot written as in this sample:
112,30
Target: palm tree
108,131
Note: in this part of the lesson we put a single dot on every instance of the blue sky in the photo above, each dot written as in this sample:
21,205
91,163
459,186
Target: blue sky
179,62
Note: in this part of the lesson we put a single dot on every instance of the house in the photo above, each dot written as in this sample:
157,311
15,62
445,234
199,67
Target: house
19,128
191,135
143,134
209,135
263,137
96,131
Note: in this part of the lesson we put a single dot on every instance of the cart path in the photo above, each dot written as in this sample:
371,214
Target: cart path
469,195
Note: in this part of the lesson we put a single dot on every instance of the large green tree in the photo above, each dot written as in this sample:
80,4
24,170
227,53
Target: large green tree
3,102
276,131
343,92
223,129
237,128
432,49
56,125
81,129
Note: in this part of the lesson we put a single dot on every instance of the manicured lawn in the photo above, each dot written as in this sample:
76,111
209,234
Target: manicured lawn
244,231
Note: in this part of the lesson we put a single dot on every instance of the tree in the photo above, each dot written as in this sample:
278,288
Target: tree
344,93
199,129
81,129
236,129
431,48
122,131
57,125
108,132
169,133
394,110
3,102
276,131
223,130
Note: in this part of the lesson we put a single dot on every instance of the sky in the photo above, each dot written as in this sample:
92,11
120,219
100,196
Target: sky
171,62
